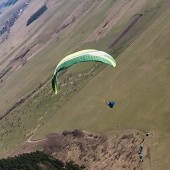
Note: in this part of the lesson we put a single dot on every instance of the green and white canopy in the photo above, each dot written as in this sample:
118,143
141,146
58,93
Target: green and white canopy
81,56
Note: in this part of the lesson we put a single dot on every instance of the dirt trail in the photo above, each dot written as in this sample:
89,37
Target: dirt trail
35,141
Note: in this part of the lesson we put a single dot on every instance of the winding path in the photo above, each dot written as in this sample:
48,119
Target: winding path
35,141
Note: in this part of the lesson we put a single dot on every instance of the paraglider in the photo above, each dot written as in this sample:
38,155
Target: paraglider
81,56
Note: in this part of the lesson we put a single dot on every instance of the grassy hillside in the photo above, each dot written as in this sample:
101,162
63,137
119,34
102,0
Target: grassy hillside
58,48
139,83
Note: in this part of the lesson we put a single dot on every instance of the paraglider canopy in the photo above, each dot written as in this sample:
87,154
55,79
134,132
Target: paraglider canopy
81,56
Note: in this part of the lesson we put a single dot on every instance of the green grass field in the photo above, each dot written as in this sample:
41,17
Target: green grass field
139,84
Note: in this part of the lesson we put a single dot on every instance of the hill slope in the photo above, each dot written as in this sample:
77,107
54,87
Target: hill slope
139,83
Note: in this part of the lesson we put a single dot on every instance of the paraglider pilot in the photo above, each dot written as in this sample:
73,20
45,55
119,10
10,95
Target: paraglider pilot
111,103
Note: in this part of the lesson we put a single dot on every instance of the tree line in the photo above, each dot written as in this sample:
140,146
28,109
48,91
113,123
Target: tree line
36,15
36,161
